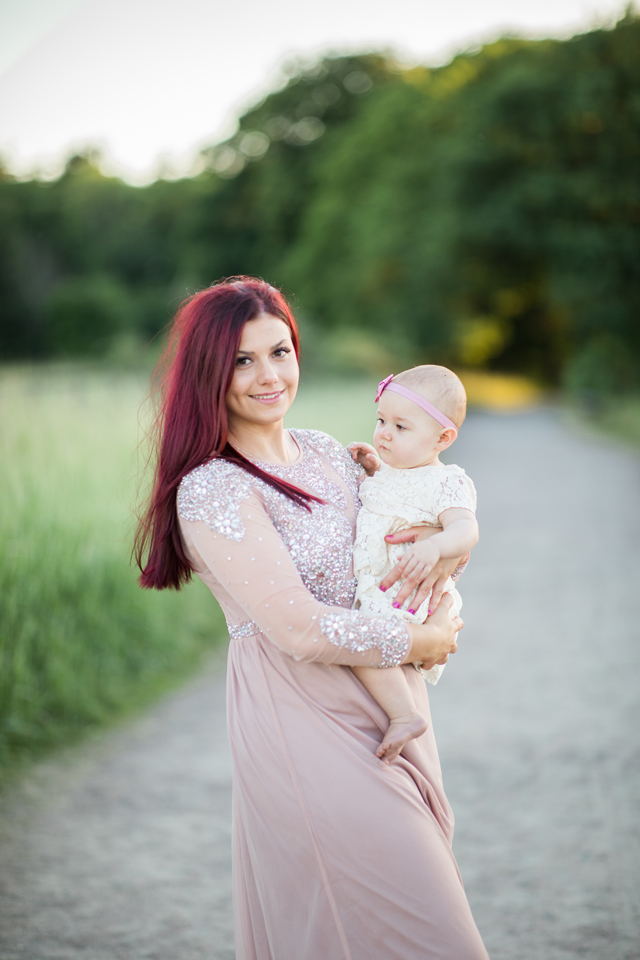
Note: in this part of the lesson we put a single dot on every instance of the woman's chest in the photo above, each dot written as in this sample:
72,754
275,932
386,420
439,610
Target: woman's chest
320,540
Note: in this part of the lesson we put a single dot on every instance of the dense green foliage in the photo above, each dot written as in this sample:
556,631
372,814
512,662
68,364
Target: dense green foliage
485,213
79,640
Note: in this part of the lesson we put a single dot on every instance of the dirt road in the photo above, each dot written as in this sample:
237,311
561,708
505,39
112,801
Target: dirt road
119,850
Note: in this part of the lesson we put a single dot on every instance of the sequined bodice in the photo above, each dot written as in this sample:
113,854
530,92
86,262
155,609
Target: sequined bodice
320,539
283,572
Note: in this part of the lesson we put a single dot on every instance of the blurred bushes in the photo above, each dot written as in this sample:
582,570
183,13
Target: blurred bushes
85,314
485,214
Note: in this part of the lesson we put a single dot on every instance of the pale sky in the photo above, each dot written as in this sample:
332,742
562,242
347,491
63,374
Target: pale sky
150,79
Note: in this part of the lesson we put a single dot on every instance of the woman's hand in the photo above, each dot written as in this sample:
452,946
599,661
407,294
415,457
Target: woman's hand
434,581
433,641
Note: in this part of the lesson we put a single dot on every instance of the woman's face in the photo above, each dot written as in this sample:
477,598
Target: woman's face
266,376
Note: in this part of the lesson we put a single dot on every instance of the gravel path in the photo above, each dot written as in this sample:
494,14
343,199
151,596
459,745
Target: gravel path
119,849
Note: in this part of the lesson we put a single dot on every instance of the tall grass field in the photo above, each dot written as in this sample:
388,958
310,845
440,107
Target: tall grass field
79,640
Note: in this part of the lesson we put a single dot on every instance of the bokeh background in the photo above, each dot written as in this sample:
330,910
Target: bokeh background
463,191
454,183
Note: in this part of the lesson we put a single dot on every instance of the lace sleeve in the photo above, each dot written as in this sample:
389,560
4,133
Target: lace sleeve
456,490
237,545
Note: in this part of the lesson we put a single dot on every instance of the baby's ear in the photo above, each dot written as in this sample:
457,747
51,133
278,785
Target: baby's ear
446,438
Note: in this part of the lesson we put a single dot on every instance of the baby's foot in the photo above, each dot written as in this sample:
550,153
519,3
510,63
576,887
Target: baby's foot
401,730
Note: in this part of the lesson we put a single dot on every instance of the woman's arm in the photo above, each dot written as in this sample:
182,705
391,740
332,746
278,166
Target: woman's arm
252,565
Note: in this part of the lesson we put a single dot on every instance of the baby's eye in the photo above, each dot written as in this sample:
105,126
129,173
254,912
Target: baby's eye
400,427
380,420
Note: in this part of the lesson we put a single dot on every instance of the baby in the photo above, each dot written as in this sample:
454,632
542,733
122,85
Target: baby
419,413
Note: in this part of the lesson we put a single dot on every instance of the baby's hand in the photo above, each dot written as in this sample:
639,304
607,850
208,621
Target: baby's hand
365,455
419,560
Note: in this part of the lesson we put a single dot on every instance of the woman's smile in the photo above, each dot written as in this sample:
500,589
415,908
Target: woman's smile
267,397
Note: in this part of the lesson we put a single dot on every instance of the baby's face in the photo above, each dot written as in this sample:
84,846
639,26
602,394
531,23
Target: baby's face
406,436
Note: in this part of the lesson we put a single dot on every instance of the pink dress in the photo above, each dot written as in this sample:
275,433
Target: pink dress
336,855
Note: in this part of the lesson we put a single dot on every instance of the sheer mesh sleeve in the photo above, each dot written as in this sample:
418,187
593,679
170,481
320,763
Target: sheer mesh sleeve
251,564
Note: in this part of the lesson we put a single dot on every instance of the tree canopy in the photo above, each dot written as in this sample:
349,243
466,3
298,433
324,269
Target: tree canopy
484,213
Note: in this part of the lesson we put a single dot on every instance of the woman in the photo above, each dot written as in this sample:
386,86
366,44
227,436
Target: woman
336,855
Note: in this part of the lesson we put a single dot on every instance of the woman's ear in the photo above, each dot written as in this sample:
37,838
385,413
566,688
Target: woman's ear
446,438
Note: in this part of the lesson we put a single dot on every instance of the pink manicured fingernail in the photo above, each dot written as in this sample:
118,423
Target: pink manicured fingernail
429,612
396,605
411,611
382,588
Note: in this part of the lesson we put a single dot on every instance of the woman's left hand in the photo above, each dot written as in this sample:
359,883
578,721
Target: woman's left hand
434,641
435,580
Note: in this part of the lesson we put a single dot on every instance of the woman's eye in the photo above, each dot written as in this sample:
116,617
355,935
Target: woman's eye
280,351
243,361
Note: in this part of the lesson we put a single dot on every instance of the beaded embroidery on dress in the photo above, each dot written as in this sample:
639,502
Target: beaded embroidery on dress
211,493
319,540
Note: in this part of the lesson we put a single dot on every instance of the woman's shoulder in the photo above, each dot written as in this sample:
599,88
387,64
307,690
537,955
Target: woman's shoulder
211,493
317,439
211,474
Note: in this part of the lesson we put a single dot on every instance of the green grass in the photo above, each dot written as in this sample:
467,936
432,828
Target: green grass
79,640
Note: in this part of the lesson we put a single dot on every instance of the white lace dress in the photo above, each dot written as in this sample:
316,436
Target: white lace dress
393,500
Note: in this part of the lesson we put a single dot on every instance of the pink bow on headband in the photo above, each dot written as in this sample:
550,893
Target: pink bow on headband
382,385
425,405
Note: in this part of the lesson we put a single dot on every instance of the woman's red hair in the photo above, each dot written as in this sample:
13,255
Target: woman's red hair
194,374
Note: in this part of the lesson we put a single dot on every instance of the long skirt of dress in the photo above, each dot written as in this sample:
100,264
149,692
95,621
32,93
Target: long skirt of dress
337,856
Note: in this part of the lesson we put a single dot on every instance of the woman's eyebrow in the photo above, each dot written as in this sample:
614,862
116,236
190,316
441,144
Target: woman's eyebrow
251,353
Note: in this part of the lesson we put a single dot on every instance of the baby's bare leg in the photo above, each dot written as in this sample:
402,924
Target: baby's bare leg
390,689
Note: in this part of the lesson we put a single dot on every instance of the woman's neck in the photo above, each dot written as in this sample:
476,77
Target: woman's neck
269,441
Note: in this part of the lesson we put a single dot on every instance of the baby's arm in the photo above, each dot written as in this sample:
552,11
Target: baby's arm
458,536
365,455
390,689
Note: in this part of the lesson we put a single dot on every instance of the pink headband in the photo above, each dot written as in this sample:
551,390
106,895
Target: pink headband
429,408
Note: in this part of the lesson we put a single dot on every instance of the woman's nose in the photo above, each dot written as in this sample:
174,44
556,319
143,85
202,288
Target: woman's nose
266,373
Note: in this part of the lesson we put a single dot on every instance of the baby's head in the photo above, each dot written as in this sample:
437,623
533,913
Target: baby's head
406,435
